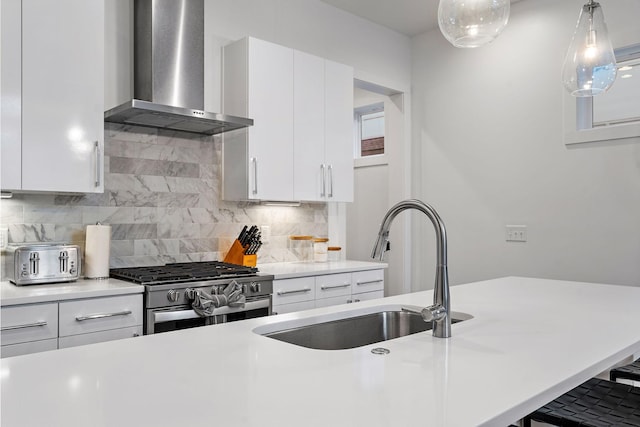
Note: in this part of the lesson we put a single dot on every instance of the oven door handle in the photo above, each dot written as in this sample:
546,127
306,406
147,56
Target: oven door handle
168,316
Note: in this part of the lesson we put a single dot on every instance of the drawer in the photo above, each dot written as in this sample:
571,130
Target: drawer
100,314
28,347
287,291
367,281
333,285
296,306
102,336
26,323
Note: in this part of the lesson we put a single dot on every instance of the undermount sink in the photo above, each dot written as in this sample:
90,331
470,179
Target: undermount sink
353,329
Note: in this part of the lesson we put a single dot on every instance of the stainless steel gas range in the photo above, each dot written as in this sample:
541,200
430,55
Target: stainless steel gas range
187,295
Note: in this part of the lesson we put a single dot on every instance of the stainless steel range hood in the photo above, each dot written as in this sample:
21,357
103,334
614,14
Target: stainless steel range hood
168,84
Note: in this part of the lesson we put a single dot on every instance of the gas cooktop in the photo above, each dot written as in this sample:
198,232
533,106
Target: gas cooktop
181,272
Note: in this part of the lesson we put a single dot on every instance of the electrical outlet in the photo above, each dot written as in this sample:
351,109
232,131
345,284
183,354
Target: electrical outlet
516,233
4,237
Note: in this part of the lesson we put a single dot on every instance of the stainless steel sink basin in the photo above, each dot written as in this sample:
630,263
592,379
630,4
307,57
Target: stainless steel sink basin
356,330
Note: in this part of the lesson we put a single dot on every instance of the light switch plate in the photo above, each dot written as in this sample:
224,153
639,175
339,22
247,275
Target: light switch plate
516,233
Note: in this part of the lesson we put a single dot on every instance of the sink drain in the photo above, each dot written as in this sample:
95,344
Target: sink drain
380,351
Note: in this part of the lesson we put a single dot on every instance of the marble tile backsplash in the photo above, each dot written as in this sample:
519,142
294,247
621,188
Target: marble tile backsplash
162,199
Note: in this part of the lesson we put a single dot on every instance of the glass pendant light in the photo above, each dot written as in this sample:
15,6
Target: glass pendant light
472,23
590,65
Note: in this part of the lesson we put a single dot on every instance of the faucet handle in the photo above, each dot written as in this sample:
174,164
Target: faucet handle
429,314
433,313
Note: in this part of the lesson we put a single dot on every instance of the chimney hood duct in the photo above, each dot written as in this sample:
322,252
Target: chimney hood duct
169,71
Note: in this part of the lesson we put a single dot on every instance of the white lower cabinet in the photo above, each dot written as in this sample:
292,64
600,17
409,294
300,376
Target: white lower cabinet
28,323
367,285
293,294
95,337
29,329
325,290
28,347
100,319
32,328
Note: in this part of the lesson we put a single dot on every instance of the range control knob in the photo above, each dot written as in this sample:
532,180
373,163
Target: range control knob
173,295
254,286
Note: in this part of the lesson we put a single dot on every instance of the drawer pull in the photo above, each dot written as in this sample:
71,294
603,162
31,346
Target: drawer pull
28,325
325,287
102,315
369,282
297,291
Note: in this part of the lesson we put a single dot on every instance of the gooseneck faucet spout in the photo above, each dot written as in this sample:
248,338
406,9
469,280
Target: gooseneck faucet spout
440,312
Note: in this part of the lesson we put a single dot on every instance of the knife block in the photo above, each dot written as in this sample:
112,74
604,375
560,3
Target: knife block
236,256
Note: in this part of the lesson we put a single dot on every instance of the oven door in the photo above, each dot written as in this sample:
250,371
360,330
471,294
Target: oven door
184,317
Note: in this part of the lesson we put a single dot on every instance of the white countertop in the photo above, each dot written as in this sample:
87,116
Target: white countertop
11,294
530,340
290,270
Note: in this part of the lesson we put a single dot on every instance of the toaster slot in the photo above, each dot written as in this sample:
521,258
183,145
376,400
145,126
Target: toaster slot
64,261
34,263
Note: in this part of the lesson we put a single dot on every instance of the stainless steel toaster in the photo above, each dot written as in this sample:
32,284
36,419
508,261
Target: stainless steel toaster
31,264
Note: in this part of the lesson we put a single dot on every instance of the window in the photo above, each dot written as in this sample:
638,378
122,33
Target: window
370,130
614,114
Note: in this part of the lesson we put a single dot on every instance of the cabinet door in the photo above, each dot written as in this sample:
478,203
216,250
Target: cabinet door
287,291
62,95
339,131
367,281
328,302
102,336
100,314
333,285
10,94
270,93
367,296
308,128
28,347
25,323
293,307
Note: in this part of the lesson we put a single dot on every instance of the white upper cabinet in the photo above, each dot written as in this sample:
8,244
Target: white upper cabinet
308,129
338,135
299,147
258,161
60,138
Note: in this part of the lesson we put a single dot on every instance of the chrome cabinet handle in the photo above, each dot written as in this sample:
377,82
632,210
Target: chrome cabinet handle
325,287
98,169
27,325
254,161
297,291
369,282
324,181
330,168
102,315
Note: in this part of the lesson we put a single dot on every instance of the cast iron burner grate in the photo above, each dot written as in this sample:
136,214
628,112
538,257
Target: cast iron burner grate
181,272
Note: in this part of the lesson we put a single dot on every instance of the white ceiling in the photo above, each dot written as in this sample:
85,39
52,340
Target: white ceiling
408,17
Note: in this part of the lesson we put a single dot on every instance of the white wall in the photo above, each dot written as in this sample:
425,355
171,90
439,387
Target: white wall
378,185
489,151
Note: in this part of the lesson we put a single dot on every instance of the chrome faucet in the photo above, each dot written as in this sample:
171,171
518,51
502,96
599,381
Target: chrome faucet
440,312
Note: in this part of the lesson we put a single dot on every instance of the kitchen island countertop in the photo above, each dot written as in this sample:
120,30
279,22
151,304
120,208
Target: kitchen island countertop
529,341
